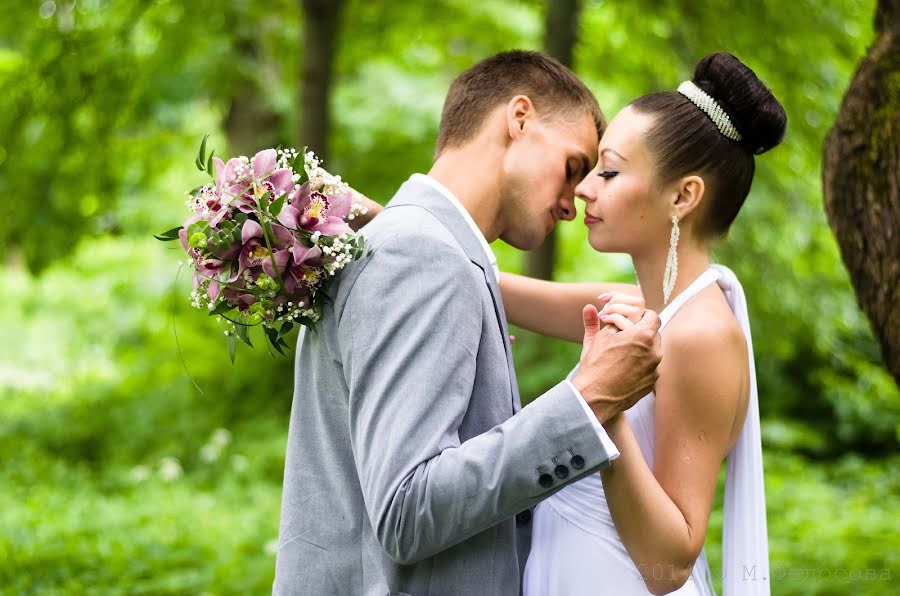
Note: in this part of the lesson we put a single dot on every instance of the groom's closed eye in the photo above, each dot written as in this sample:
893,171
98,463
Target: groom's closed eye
580,168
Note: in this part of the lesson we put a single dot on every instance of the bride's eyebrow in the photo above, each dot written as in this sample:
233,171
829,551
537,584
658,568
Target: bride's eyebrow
614,152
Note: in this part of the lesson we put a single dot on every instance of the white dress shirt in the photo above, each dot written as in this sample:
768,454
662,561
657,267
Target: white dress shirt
608,445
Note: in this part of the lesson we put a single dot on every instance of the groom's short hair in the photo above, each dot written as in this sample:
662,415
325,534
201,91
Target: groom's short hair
552,88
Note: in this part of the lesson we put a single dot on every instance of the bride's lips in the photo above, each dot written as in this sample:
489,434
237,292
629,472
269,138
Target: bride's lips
590,220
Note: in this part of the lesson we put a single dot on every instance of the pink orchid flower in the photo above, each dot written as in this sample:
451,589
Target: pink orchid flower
243,189
314,212
254,252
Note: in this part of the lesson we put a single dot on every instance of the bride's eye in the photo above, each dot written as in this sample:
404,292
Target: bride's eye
607,174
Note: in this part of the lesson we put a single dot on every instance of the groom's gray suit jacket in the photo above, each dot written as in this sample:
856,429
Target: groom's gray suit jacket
407,471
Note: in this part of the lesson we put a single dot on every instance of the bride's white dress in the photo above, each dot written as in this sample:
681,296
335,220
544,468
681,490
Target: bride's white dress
575,547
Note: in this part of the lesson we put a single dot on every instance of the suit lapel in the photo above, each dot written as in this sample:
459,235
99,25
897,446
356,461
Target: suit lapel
423,196
504,330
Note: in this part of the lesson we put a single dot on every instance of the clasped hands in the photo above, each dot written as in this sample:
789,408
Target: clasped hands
620,354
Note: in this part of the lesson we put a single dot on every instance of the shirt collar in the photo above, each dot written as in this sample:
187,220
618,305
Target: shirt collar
492,259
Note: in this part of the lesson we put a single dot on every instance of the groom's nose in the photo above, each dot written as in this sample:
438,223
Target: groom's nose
567,209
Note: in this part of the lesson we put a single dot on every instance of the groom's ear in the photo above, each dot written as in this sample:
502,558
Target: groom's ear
519,111
689,194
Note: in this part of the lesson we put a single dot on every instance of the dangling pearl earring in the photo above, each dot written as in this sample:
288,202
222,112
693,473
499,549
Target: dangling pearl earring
671,262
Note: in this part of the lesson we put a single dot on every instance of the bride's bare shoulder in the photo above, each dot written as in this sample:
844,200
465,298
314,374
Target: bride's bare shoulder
705,365
706,324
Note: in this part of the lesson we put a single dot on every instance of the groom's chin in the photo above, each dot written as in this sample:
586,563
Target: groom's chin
525,239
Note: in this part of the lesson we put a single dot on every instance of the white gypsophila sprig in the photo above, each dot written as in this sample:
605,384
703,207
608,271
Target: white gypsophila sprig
320,178
357,207
200,298
286,157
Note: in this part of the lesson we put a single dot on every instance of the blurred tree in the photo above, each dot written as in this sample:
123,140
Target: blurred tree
321,20
100,97
560,36
861,176
250,122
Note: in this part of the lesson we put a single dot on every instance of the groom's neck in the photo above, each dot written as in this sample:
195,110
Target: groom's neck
474,177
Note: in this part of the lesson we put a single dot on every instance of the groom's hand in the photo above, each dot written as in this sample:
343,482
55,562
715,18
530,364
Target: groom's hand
617,368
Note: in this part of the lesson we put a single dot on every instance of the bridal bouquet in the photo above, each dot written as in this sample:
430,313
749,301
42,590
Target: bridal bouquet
264,238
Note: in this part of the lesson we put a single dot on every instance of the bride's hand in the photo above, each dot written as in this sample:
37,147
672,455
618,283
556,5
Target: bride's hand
621,310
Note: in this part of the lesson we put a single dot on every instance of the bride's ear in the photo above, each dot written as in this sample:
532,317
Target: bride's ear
518,111
689,194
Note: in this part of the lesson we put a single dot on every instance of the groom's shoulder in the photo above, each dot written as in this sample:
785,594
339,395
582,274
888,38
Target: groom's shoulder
413,229
404,243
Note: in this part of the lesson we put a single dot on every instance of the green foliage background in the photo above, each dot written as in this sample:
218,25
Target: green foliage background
117,477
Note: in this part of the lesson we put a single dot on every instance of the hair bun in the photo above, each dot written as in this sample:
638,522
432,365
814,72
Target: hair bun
753,110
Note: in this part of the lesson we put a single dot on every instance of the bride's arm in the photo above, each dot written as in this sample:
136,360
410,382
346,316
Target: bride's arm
662,514
553,308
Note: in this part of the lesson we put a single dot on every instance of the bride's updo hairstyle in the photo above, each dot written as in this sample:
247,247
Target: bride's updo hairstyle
684,139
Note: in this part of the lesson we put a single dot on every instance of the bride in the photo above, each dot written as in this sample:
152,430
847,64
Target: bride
673,172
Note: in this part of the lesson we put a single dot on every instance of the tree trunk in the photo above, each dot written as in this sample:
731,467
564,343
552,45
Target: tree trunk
861,179
560,35
250,123
321,27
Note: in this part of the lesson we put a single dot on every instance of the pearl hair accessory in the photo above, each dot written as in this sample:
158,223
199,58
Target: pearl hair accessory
705,102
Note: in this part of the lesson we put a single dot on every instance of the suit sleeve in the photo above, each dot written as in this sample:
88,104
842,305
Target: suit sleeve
409,336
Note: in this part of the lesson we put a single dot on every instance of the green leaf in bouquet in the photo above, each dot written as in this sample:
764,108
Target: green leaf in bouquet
273,338
266,283
243,332
223,241
277,204
305,237
299,165
198,226
209,165
232,345
198,240
254,315
227,270
285,329
201,155
257,308
168,235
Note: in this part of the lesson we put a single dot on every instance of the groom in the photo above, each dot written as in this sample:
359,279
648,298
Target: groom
411,466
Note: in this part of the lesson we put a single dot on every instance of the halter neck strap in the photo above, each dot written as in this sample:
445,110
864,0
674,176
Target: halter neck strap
706,278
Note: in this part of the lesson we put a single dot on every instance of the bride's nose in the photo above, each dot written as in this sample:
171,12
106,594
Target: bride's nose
583,192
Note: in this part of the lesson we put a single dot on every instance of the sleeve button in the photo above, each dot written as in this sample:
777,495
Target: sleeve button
561,471
546,480
577,462
523,517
